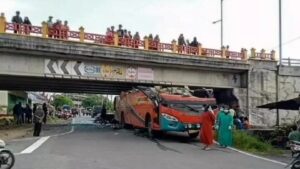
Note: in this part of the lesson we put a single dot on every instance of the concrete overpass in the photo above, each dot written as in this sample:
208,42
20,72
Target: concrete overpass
86,63
34,63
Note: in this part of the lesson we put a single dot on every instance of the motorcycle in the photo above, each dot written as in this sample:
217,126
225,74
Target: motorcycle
295,148
7,158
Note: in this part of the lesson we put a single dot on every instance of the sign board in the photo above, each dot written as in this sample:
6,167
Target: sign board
145,73
131,73
77,68
63,67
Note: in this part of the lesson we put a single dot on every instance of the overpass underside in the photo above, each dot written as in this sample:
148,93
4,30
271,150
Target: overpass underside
68,85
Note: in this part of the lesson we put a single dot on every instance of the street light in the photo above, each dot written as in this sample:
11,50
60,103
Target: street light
221,20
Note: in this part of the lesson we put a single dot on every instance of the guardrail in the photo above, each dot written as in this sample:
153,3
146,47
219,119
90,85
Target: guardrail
290,62
114,40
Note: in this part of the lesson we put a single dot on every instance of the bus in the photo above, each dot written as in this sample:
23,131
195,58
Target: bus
161,110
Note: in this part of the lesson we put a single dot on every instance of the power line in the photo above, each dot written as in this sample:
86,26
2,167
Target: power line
288,42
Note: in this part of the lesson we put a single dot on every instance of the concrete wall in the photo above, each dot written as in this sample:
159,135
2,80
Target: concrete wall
262,90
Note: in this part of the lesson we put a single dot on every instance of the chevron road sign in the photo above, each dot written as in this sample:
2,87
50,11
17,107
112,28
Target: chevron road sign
64,67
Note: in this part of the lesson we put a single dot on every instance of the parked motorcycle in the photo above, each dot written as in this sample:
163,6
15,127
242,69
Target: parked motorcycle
7,158
295,148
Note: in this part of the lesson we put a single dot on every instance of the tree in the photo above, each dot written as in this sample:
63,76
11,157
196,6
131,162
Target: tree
92,101
97,100
59,101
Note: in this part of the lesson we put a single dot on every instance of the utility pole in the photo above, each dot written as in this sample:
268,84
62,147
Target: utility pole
221,23
280,60
221,20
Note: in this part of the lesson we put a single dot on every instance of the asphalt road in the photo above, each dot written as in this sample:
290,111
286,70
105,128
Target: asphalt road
92,147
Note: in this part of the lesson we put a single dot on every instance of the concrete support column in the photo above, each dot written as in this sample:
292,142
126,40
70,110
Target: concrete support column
244,54
263,54
2,23
223,50
146,43
116,39
253,51
81,34
200,49
44,29
174,46
273,55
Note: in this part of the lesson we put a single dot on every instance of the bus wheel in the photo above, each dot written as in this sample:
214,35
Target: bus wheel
149,128
193,135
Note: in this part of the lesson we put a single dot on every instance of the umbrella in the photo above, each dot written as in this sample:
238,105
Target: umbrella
292,104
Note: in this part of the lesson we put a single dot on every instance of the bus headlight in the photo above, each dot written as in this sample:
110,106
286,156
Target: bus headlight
198,125
190,125
169,117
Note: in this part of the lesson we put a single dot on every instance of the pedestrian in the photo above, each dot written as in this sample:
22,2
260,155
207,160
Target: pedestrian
156,42
23,116
50,26
27,25
17,21
181,43
65,30
150,41
294,135
45,109
112,29
194,43
38,119
126,39
224,125
103,113
206,131
120,33
57,26
17,112
129,35
28,114
136,39
109,37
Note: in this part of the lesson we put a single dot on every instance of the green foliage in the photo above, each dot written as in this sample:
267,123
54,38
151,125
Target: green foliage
97,100
246,142
92,101
62,100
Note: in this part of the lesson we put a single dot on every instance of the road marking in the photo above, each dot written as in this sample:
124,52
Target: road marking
35,145
259,157
255,156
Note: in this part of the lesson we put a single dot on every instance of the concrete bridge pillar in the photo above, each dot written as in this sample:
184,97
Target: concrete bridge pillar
2,23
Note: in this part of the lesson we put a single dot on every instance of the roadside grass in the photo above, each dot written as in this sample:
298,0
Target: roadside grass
252,144
56,120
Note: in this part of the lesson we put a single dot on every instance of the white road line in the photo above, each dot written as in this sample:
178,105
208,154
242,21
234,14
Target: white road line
255,156
35,145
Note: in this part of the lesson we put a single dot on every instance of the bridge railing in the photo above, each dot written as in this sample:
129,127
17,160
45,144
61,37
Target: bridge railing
113,39
290,62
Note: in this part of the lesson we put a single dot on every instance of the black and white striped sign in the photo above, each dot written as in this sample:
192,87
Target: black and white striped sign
64,67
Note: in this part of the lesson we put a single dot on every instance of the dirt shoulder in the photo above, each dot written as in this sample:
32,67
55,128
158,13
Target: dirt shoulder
12,132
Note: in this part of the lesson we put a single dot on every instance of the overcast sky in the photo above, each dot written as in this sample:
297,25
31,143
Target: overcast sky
247,23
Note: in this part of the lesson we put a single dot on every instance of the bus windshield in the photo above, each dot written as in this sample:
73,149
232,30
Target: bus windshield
188,107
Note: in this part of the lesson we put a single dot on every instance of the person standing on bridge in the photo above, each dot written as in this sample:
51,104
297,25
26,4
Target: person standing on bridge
206,132
27,25
50,26
136,40
224,126
181,43
38,119
17,21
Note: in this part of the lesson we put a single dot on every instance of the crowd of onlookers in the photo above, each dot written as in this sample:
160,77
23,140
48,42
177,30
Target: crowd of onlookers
25,114
37,115
60,30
